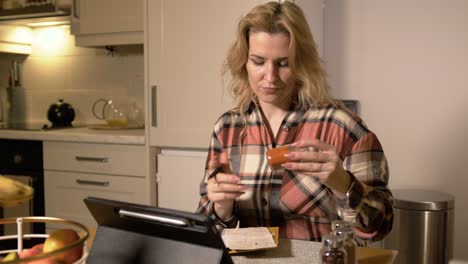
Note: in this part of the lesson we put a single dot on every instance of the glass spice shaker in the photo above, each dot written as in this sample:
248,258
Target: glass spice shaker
332,251
335,224
349,244
345,224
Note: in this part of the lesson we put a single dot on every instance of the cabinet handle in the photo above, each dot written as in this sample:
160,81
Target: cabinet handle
91,159
97,183
154,110
156,218
76,9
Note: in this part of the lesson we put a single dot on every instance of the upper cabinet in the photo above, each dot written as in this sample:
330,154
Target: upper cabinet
15,39
186,43
107,22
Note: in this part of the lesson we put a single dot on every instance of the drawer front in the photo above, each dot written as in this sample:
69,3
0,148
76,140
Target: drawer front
96,158
65,191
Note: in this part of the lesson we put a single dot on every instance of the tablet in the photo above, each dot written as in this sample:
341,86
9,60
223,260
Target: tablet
134,233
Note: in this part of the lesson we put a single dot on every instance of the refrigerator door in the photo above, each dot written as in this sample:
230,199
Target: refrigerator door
179,175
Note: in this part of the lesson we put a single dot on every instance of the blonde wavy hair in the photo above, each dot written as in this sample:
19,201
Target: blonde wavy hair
273,17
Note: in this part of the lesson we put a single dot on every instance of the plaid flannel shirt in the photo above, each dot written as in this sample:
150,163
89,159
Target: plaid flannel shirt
301,205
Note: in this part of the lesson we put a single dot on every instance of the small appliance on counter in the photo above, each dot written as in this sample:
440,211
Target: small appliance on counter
61,114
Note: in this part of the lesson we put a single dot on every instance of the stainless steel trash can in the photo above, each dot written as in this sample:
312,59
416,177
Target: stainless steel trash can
423,226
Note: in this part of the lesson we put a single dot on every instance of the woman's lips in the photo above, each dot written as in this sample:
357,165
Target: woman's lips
270,89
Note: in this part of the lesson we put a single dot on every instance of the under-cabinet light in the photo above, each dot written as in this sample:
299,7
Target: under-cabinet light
48,23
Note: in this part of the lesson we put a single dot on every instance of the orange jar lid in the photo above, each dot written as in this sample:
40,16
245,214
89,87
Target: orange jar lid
276,157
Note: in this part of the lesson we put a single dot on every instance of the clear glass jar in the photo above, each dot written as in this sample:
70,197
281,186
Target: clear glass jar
332,251
349,244
344,211
335,224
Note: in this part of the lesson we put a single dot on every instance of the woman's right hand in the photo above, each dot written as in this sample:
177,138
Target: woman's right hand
224,188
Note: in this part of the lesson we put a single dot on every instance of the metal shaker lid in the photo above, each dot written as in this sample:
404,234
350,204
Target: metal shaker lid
422,200
335,224
332,241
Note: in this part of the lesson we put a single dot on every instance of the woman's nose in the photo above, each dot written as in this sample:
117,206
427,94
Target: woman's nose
271,73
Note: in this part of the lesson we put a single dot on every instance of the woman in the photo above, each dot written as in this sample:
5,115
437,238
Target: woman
283,98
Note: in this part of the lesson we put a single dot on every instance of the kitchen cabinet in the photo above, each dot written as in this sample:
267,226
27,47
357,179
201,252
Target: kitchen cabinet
185,45
180,172
74,171
15,39
107,22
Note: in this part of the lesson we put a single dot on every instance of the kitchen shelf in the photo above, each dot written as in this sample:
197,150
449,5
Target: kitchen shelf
32,12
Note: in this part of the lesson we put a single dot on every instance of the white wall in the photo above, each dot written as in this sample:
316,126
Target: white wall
407,64
58,69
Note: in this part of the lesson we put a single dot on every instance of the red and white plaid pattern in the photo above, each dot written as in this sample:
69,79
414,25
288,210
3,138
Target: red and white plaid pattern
301,205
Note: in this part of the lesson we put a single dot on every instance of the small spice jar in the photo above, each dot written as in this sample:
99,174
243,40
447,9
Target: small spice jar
349,244
332,251
335,224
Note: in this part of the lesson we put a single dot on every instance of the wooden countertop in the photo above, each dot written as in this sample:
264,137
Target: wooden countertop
300,251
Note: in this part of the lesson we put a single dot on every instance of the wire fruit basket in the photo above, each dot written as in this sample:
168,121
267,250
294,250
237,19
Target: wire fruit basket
20,236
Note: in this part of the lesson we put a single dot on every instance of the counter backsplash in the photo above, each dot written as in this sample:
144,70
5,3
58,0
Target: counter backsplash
78,75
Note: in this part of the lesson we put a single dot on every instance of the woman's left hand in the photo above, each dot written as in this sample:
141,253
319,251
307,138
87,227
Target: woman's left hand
323,163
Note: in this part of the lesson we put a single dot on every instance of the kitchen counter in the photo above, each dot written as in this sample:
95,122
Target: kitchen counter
299,251
83,134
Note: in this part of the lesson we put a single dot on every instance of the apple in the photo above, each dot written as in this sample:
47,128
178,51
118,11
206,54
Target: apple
59,239
26,253
35,250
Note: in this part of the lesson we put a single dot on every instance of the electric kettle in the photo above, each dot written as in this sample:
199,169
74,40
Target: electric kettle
61,114
118,115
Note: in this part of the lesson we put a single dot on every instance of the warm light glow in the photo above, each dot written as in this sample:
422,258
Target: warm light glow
50,40
22,35
48,24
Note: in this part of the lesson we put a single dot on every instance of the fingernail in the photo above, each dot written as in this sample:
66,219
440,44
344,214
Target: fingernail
286,165
290,155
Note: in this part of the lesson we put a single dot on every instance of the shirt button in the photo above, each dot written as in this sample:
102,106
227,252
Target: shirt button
285,128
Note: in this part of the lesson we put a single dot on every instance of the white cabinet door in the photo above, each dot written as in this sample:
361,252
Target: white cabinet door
185,44
107,22
179,175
